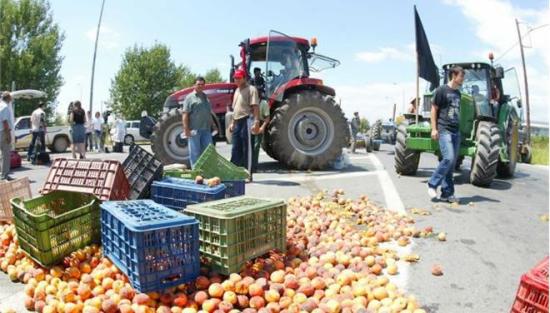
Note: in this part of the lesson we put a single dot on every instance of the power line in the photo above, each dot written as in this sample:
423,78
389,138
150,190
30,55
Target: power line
517,43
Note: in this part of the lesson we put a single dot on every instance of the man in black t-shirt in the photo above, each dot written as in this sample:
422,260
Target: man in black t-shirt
445,118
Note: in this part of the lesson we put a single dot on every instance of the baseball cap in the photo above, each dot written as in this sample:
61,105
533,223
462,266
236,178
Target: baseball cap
239,74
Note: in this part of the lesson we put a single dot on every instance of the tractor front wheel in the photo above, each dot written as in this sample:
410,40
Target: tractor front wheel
406,160
485,161
307,131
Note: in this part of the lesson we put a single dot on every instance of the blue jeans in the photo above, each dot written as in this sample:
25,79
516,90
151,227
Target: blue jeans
197,144
241,144
36,135
449,145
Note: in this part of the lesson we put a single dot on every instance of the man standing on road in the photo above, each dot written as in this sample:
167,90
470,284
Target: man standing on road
445,119
355,125
245,105
98,125
6,127
197,121
38,128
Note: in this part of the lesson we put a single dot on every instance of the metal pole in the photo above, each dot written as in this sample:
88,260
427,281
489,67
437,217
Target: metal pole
393,115
417,104
95,53
526,85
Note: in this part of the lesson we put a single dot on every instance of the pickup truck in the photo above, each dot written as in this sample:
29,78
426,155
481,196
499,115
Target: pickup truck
57,137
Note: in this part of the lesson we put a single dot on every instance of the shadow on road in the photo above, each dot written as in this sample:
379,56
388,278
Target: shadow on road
476,199
282,183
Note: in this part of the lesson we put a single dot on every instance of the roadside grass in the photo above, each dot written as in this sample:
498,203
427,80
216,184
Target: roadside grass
540,150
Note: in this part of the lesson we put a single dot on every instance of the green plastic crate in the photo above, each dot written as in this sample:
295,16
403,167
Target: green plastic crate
211,164
235,230
52,226
181,173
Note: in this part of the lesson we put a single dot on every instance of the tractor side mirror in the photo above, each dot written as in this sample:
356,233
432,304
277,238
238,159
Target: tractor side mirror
499,72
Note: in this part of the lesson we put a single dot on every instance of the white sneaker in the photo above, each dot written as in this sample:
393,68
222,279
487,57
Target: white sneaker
432,192
450,199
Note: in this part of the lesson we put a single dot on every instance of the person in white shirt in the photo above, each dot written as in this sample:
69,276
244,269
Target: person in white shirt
89,132
97,124
6,126
119,131
38,129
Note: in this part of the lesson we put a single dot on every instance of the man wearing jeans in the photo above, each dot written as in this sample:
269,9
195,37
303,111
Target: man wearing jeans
197,121
245,105
445,119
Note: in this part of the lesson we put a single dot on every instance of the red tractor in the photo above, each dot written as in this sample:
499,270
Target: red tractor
307,130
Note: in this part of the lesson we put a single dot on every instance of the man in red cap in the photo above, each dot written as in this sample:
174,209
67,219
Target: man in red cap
245,106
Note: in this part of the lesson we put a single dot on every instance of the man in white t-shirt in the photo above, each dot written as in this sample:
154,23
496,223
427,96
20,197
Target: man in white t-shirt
38,129
97,124
6,126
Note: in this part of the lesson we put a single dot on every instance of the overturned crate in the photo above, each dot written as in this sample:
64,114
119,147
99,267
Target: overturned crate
19,188
141,169
51,226
156,247
236,230
104,179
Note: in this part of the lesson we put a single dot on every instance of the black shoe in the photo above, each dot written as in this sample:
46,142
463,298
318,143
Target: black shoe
9,178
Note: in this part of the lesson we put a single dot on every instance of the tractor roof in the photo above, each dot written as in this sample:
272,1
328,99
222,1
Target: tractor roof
469,65
264,39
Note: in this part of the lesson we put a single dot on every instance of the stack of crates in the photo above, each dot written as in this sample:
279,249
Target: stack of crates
532,295
157,248
104,179
141,169
52,226
177,193
236,230
19,188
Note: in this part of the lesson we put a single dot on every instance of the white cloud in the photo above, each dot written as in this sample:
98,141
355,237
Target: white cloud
108,38
497,30
386,53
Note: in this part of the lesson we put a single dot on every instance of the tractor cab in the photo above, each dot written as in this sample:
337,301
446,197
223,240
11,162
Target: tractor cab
282,60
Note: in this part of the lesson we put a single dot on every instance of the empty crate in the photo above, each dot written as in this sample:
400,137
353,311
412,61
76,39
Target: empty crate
141,169
177,193
19,188
156,247
235,230
104,179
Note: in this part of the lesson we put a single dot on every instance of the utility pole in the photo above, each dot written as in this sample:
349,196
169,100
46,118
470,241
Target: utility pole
527,108
95,53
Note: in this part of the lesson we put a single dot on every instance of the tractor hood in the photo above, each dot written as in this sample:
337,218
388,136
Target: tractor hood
219,94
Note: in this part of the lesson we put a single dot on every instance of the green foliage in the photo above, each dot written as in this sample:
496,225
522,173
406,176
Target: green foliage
30,44
59,120
364,126
540,150
146,77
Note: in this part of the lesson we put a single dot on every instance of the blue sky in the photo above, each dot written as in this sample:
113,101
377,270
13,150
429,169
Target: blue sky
372,39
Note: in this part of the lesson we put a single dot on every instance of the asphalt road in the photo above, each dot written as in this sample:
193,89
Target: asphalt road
493,236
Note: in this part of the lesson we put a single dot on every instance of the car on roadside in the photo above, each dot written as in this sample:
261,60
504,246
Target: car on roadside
58,138
132,133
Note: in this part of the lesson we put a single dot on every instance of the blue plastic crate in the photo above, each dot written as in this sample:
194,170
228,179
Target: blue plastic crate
177,193
156,247
234,188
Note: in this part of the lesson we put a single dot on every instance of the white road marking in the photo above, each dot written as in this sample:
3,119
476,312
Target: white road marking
394,203
302,177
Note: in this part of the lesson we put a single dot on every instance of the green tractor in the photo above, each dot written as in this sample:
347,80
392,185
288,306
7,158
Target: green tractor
489,125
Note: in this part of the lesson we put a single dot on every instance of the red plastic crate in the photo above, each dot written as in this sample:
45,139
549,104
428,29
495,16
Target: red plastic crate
104,179
19,188
532,295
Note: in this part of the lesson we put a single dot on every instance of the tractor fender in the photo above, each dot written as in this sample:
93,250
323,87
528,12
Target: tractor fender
298,85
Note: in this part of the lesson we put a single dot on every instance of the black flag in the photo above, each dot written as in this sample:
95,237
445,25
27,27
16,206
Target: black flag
426,65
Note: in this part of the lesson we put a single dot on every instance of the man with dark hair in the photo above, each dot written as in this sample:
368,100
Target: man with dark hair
445,120
38,128
197,121
258,82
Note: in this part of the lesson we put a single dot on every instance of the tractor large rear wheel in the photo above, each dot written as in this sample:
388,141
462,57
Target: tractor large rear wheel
307,131
507,169
485,161
406,160
166,141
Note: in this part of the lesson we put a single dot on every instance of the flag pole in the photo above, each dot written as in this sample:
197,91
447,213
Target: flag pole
417,102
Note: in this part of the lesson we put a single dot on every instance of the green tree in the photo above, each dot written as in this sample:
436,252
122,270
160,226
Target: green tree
30,44
364,125
187,77
213,76
146,77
